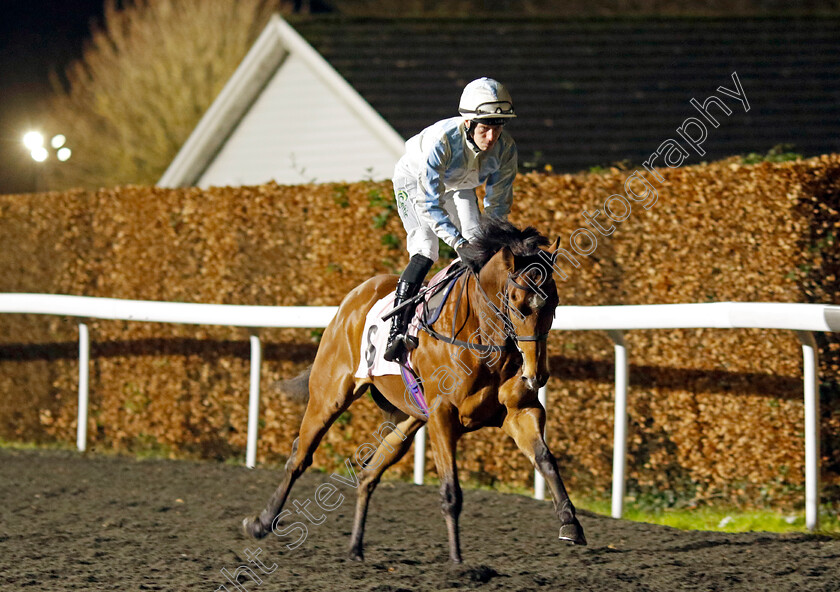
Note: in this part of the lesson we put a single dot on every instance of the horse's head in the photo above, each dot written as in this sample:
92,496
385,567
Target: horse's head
521,295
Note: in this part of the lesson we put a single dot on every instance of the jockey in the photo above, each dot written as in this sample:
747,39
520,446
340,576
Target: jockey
435,181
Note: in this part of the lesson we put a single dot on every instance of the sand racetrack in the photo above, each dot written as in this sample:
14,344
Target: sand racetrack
71,522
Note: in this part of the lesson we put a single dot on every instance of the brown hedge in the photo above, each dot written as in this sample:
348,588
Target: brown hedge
712,412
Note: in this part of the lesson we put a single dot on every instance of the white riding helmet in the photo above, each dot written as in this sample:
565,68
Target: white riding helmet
486,99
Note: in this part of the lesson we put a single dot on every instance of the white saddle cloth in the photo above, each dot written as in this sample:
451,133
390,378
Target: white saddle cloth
375,340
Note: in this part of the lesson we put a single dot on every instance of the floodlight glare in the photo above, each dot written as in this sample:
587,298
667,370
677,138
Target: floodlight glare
63,154
58,141
33,140
39,154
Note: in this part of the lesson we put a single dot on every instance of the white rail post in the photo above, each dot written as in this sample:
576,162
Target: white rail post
539,481
84,374
620,429
810,377
254,401
420,456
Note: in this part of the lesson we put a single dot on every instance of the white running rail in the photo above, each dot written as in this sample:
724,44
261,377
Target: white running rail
170,312
801,318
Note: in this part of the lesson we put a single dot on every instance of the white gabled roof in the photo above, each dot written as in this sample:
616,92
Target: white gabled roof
274,45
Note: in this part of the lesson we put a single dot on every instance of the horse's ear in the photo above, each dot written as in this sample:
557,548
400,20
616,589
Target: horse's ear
553,249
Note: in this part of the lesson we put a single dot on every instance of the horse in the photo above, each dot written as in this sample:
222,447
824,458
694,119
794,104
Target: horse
504,308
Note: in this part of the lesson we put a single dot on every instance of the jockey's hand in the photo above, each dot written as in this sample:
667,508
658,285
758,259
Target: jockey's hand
459,248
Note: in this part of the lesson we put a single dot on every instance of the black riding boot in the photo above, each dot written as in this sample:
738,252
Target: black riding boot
399,322
408,286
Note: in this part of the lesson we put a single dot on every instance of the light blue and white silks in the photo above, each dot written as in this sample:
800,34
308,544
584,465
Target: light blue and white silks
435,181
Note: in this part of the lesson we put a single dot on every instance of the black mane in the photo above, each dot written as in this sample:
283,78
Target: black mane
493,235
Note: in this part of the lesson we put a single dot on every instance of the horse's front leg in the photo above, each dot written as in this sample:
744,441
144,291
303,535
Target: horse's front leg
525,425
444,433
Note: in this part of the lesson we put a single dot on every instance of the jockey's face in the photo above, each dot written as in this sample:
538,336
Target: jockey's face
486,136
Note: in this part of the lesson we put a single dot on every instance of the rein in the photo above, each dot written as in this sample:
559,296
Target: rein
505,315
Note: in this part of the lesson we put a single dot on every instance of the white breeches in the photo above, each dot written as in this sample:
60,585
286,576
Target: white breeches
461,206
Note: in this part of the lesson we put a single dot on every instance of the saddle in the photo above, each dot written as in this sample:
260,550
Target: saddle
434,298
427,312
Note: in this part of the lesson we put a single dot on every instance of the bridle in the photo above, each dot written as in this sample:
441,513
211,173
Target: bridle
504,314
506,307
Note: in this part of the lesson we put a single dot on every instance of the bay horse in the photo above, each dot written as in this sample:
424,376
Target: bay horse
508,282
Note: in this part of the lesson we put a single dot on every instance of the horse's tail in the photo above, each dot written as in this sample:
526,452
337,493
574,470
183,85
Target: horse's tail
297,388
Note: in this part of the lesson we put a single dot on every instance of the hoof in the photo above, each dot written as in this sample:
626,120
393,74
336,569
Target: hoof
357,556
252,527
573,532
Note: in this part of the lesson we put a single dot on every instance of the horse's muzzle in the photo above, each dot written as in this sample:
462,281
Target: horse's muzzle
534,383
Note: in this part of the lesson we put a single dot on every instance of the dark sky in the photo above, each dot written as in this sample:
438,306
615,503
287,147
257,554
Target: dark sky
36,37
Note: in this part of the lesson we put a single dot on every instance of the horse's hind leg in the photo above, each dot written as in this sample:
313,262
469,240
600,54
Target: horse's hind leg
391,449
319,416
